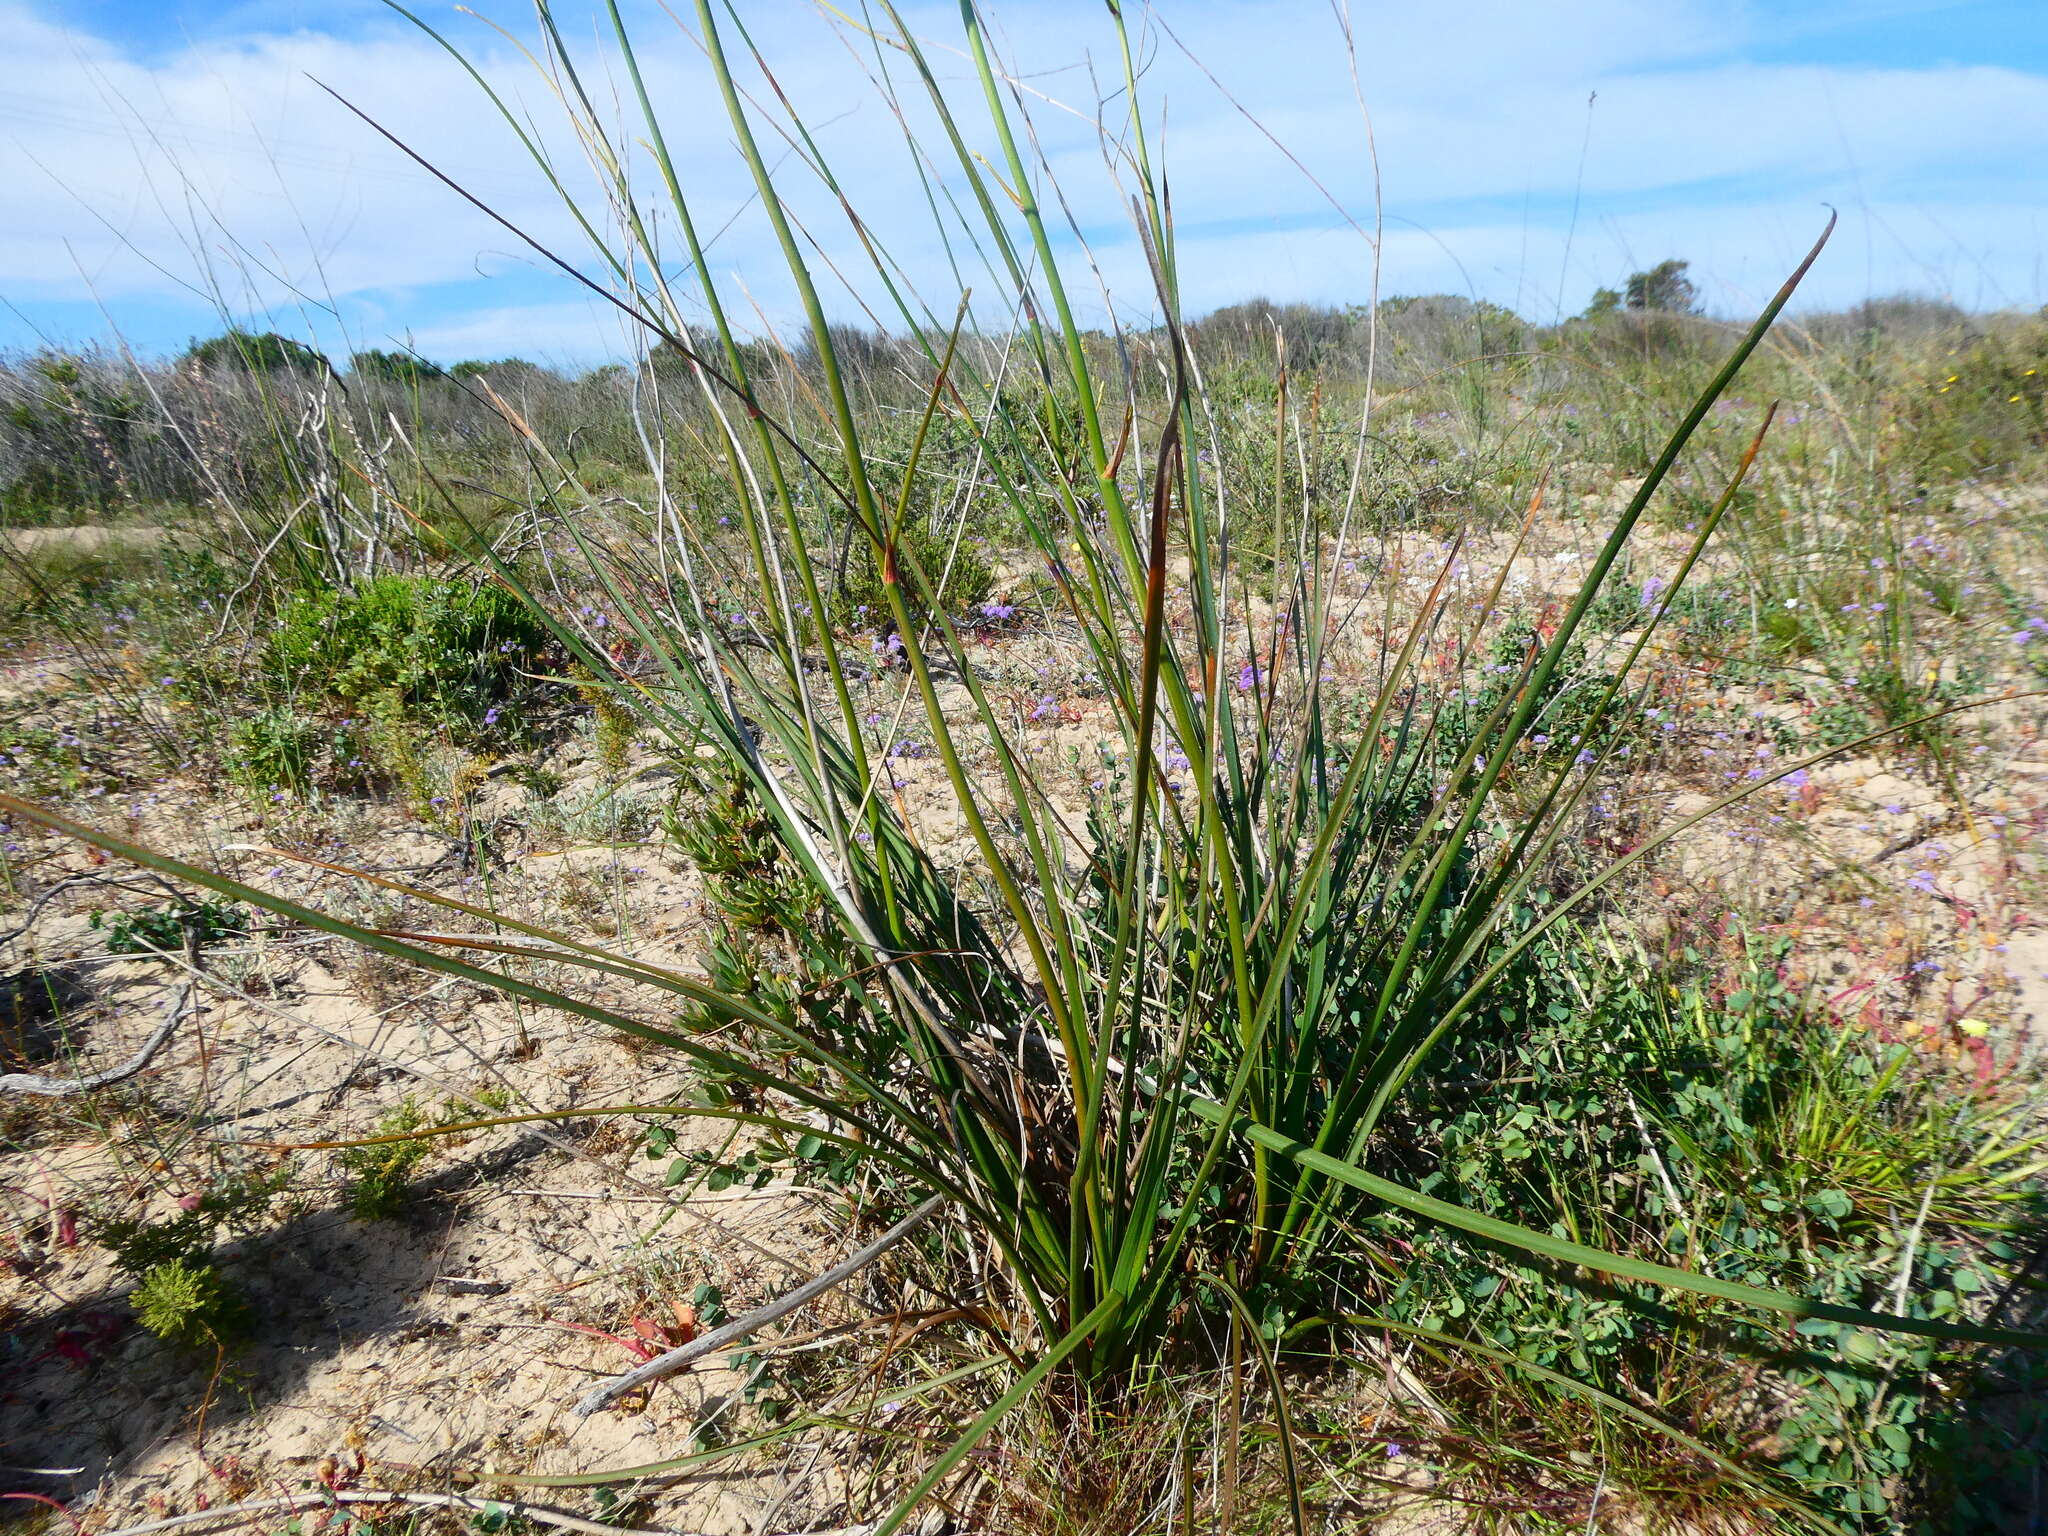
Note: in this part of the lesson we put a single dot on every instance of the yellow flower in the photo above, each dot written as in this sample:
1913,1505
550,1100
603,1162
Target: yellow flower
1953,377
2010,398
1943,390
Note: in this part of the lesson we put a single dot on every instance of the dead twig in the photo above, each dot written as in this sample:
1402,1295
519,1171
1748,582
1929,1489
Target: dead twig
676,1359
71,882
318,1497
68,1087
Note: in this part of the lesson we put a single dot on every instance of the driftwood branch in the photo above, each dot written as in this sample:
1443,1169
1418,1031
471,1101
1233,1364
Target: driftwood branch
71,882
726,1333
325,1498
67,1087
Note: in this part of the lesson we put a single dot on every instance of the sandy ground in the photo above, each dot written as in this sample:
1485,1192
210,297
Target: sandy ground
88,539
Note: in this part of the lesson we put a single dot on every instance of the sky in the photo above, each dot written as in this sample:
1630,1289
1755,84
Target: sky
174,165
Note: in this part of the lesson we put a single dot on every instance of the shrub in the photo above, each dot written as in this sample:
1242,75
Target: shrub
612,726
498,371
163,929
52,760
238,1203
1572,722
256,352
1744,1130
276,748
183,1296
1663,288
968,578
400,368
443,651
380,1174
66,429
190,1305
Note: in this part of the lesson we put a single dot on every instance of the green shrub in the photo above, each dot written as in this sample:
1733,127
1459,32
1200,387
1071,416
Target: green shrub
276,748
1749,1134
392,367
163,929
443,651
190,1305
256,352
183,1297
1575,718
280,751
380,1174
239,1203
613,726
968,579
402,757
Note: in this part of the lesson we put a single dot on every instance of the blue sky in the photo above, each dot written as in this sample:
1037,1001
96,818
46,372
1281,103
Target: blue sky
171,160
1905,33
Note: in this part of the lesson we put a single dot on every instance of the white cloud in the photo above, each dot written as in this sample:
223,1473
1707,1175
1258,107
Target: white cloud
551,334
225,156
